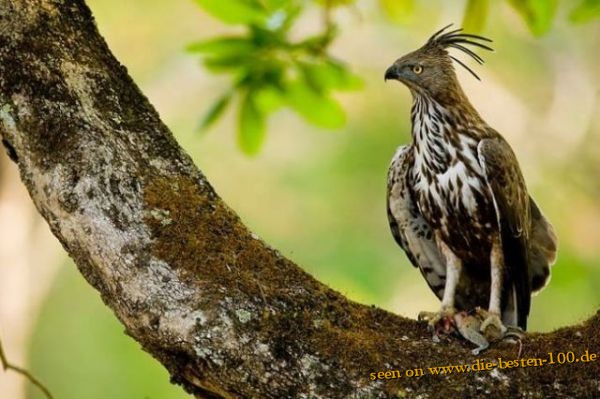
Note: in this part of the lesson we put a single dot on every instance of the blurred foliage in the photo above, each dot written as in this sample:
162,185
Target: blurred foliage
586,11
269,70
397,10
538,14
475,15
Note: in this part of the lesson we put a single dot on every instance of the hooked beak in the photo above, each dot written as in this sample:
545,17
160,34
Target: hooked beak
392,72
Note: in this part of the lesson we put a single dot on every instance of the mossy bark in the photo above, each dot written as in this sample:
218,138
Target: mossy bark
226,314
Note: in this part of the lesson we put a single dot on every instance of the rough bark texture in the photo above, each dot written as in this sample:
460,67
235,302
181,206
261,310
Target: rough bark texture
227,315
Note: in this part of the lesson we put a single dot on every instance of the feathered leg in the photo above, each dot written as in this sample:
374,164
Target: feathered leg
453,271
497,272
444,319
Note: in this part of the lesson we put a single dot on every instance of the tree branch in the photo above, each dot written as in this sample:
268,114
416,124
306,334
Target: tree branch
6,365
226,314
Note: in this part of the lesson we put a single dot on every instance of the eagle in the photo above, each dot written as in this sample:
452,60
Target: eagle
457,202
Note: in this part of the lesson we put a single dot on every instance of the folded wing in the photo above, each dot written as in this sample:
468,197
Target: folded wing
512,205
408,227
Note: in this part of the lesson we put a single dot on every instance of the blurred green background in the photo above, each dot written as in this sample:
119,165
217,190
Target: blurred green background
319,195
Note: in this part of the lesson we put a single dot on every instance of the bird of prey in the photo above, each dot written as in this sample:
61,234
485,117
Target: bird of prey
457,201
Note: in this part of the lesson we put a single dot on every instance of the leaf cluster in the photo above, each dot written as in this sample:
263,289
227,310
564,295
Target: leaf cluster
269,70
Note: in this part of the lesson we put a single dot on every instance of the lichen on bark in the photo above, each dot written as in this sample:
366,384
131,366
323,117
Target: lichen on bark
226,314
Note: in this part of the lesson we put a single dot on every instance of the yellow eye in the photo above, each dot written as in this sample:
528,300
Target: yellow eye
417,69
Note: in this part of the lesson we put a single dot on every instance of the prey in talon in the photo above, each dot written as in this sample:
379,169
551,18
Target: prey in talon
458,204
469,326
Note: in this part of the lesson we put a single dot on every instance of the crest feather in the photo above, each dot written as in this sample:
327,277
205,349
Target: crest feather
456,39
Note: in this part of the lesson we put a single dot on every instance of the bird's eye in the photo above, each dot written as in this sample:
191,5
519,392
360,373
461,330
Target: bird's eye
417,69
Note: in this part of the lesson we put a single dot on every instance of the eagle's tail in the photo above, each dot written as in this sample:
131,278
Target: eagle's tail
516,297
542,249
510,313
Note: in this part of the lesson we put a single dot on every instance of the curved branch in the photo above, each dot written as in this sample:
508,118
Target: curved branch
227,315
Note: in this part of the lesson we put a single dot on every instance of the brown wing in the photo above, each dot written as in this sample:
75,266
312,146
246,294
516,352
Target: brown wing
513,213
409,228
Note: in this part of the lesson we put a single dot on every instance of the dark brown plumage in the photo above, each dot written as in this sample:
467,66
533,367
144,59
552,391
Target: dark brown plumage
457,201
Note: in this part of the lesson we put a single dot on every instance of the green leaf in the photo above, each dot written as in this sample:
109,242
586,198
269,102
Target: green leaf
538,14
475,15
267,38
252,127
328,75
222,46
397,10
234,11
268,99
319,109
230,62
215,111
585,12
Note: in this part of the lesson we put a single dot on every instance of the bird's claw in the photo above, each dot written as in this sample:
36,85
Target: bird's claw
514,332
439,322
492,326
515,335
426,316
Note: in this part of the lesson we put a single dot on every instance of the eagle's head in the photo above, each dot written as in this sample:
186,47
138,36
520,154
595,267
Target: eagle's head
429,70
